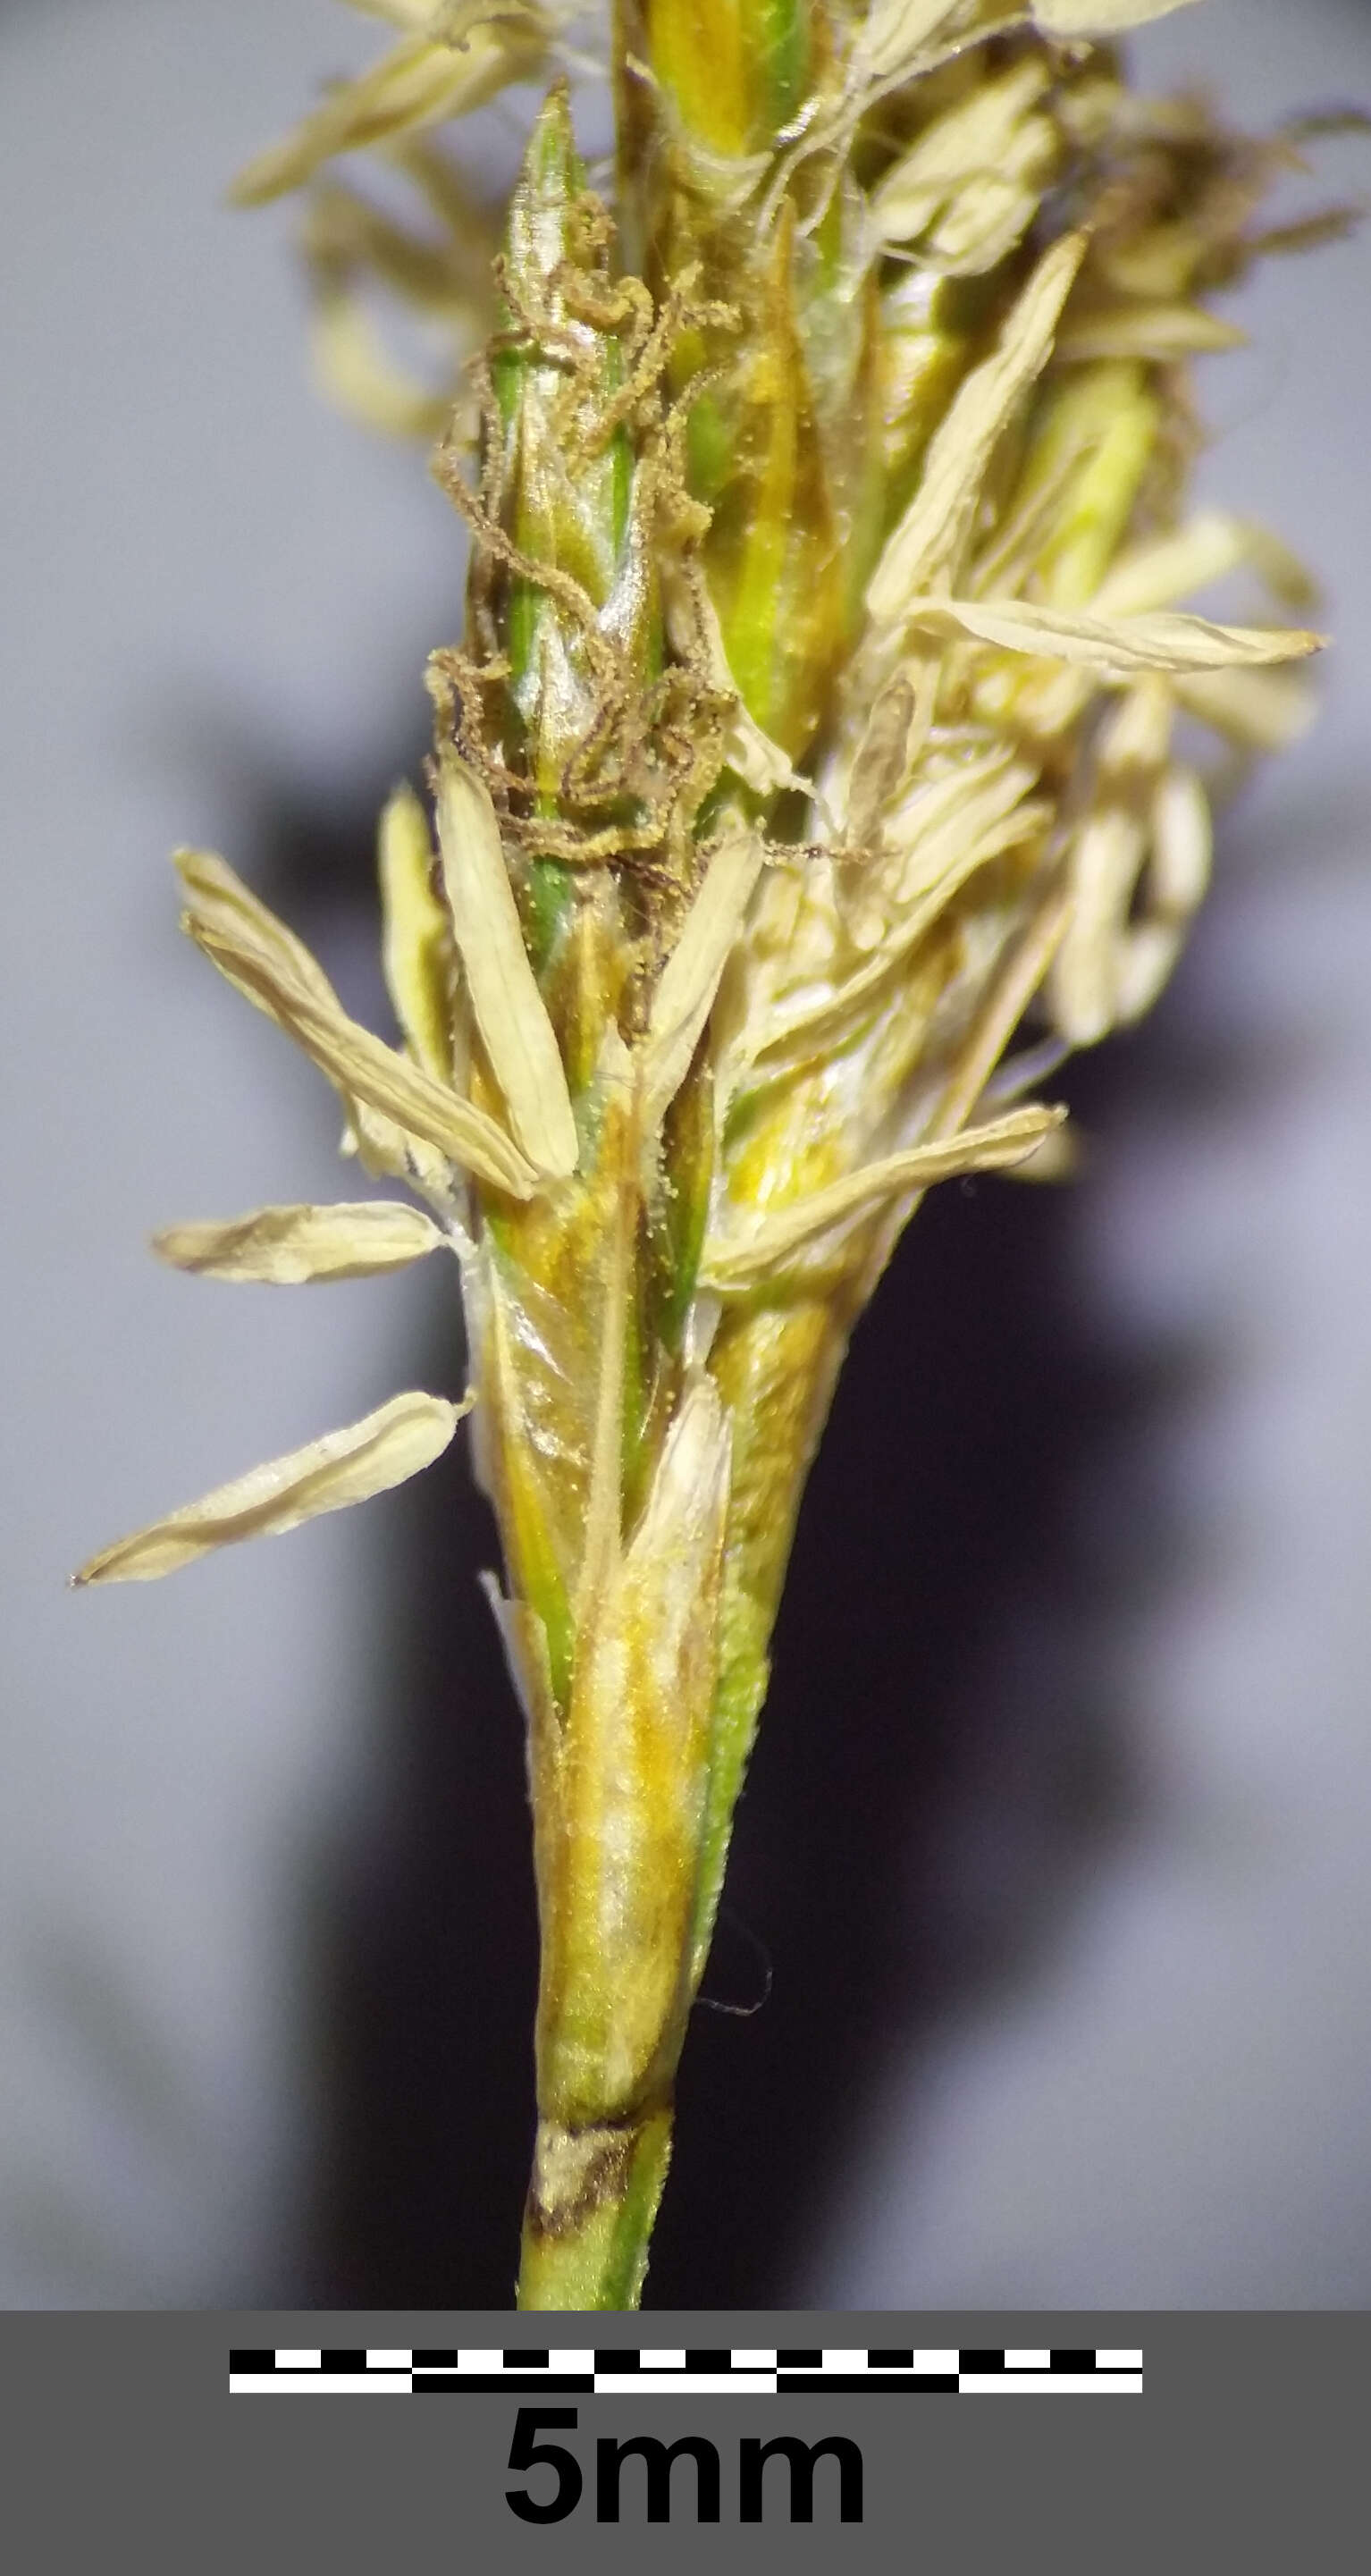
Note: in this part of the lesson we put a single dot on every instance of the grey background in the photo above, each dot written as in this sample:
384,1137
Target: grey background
1245,2448
1057,1842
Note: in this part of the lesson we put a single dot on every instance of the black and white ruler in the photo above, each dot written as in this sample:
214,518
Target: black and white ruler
870,2371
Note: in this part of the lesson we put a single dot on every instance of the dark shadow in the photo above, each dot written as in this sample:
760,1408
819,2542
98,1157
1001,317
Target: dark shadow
916,1811
944,1760
941,1764
428,1950
422,1931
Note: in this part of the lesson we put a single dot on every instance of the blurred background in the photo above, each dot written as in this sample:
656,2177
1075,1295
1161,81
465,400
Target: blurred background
1057,1850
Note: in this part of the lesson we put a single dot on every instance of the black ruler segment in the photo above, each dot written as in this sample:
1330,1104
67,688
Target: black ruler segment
623,2370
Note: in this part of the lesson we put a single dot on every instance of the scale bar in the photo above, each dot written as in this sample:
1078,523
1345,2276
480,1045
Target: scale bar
526,2371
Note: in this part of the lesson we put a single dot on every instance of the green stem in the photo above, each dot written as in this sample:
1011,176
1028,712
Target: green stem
588,2218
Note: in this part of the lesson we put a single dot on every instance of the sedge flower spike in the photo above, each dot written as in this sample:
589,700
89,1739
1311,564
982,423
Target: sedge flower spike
812,742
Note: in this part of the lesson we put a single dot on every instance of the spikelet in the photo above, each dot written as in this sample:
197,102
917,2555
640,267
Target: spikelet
812,738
